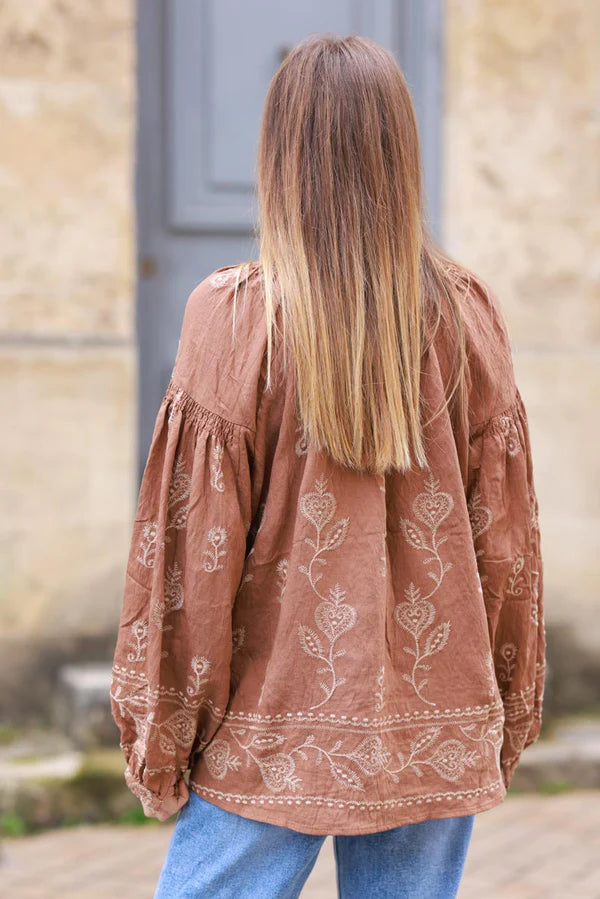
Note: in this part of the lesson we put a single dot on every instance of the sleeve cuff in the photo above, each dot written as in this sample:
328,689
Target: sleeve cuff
160,803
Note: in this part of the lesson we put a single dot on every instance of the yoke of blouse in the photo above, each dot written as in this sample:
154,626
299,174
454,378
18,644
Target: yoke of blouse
322,649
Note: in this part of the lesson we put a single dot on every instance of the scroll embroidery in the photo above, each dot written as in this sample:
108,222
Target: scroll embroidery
333,615
379,692
177,515
417,614
216,472
449,758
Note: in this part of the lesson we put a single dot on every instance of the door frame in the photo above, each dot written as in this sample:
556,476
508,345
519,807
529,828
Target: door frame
417,28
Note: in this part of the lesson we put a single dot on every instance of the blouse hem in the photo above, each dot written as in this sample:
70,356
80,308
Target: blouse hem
452,810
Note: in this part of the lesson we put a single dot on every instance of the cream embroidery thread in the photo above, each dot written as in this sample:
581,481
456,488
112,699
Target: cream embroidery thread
380,690
282,572
417,613
179,490
216,476
217,538
449,758
333,616
139,640
516,579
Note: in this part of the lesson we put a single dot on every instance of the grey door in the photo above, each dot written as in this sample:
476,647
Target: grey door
203,70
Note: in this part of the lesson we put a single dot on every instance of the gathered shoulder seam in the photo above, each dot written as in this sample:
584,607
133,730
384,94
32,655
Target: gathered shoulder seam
199,414
489,423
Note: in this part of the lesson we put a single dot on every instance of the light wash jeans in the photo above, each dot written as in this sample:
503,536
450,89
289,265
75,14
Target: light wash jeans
218,854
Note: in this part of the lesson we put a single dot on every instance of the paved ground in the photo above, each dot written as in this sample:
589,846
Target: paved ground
526,848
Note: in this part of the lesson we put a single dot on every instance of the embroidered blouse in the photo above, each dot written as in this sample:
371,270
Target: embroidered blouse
306,645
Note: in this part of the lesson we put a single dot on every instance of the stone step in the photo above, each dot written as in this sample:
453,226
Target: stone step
81,705
570,758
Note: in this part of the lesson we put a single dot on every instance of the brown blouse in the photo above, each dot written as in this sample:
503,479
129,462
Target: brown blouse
331,651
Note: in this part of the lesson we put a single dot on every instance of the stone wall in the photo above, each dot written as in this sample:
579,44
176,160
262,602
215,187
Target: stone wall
67,358
521,144
522,188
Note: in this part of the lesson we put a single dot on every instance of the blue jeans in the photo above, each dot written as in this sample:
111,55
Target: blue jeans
218,854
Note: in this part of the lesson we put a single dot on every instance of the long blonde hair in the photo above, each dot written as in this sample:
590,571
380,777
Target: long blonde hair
346,254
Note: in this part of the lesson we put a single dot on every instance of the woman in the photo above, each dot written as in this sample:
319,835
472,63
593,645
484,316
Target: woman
333,621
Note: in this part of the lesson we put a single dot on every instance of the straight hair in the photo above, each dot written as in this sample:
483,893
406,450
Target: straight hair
346,256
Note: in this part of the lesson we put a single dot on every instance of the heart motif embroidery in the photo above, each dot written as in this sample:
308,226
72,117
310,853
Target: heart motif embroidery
277,771
415,617
319,508
370,755
216,757
181,727
432,508
334,620
450,759
479,516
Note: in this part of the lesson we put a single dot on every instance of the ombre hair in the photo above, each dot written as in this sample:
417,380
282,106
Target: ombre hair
346,253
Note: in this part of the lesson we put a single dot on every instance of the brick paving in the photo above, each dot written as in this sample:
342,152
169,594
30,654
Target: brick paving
527,848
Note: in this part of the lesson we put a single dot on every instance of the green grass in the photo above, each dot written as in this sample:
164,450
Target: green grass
12,825
555,787
8,733
135,817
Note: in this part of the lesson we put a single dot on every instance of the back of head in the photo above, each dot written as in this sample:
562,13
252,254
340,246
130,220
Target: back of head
345,251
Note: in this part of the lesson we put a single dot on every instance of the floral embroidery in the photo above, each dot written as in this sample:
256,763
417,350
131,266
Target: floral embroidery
379,692
519,710
491,674
219,759
449,758
198,675
282,571
148,544
217,537
333,616
417,613
490,733
480,517
515,579
534,505
518,704
506,666
216,477
141,705
139,641
535,588
509,428
179,490
277,768
173,598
